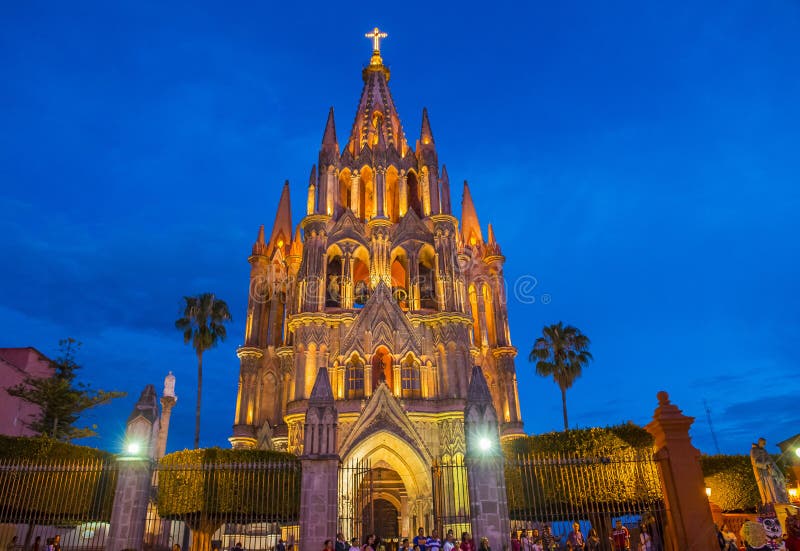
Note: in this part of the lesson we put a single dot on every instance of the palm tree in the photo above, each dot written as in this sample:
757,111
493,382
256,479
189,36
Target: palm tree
203,324
561,352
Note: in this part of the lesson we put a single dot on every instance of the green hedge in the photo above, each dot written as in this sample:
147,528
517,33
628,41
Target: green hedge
595,441
215,485
43,448
541,470
47,480
733,485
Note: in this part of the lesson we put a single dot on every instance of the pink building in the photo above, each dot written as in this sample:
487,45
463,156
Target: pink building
15,365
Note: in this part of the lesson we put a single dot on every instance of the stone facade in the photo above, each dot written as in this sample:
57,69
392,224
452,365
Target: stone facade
381,285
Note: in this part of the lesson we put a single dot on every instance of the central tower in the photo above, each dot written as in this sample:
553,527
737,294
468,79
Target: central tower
380,284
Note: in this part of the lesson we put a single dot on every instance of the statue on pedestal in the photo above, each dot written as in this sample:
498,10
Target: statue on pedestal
770,479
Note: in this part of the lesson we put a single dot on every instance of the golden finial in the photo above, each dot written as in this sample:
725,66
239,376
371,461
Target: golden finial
376,35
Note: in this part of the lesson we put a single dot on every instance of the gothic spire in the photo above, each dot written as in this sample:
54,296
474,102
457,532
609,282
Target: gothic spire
282,228
376,112
478,391
329,136
260,247
426,134
470,227
490,239
321,393
445,183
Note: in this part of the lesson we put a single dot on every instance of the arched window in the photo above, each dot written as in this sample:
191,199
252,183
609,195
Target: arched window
344,190
355,378
410,378
381,368
427,285
333,285
412,187
476,322
488,308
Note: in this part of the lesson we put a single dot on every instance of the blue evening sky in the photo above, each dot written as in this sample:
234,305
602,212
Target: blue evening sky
640,160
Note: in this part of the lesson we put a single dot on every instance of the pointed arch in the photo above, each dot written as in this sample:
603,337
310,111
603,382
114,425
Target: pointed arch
343,197
476,322
381,367
366,191
392,197
413,191
427,285
488,310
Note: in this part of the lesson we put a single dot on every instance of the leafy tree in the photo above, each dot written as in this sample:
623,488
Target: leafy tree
203,325
60,399
561,352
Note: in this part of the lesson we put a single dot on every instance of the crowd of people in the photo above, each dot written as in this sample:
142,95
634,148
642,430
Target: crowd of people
521,540
544,539
420,542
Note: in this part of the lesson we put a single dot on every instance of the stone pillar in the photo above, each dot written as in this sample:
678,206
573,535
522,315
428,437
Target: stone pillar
319,493
132,495
168,401
689,525
488,504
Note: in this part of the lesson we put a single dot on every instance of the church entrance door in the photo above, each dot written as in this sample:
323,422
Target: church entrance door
381,517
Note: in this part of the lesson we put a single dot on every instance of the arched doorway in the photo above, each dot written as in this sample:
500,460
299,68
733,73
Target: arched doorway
398,473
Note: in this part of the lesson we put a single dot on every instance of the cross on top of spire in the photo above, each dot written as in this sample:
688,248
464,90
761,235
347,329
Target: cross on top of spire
376,35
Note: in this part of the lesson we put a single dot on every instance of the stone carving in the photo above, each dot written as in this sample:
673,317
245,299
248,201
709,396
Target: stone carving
770,479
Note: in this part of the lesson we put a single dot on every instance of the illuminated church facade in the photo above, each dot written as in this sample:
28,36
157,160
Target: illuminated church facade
385,288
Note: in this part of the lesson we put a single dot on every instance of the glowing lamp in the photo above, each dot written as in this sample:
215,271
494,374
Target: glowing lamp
484,444
133,448
797,452
708,491
280,243
793,492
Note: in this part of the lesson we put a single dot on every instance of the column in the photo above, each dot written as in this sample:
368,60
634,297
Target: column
484,462
689,523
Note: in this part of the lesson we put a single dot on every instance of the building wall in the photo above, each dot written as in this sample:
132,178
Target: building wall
16,364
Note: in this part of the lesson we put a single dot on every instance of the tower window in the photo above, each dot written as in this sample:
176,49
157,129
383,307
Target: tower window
355,379
410,378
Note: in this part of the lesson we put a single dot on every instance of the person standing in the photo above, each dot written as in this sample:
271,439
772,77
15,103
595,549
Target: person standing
57,542
420,540
340,544
466,542
280,547
354,545
433,543
535,540
404,545
370,545
645,541
516,543
237,547
484,546
620,537
449,541
575,541
549,540
37,544
593,541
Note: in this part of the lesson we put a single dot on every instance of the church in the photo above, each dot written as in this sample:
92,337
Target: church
397,298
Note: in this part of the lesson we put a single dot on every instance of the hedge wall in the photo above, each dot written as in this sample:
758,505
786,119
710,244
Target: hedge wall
594,441
213,484
44,479
733,485
42,448
613,465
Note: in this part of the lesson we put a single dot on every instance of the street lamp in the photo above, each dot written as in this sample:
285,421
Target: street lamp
484,444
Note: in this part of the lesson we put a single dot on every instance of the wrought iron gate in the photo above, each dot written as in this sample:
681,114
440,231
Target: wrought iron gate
450,496
556,490
355,494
